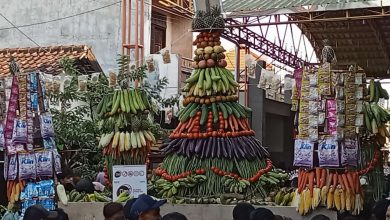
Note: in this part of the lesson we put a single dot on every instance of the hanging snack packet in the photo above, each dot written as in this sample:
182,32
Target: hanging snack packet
313,80
2,140
359,93
340,106
350,120
328,153
34,101
67,81
112,79
304,106
340,79
359,106
27,166
358,79
20,131
95,77
359,121
340,92
57,161
340,133
303,153
313,107
303,118
49,143
349,152
12,167
56,84
350,108
313,121
303,130
44,163
313,94
313,134
350,132
33,82
321,118
340,120
47,129
331,105
82,82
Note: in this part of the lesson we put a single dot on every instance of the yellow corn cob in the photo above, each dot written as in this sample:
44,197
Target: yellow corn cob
295,200
342,199
336,198
324,194
122,141
348,205
352,201
307,198
115,140
316,197
330,199
301,205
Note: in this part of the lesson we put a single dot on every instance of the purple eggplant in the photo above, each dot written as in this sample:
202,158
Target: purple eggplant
198,147
219,150
209,149
213,149
222,147
204,151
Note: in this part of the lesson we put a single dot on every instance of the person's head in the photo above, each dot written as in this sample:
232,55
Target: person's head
62,215
261,213
113,211
242,211
278,217
320,217
347,216
174,216
66,177
388,213
379,210
127,209
146,208
38,212
85,185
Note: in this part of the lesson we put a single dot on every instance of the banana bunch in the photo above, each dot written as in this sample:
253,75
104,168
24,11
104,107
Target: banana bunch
375,119
284,197
167,189
376,91
126,141
234,185
123,197
127,101
210,81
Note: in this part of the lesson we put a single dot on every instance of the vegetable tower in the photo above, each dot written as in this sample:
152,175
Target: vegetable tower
213,149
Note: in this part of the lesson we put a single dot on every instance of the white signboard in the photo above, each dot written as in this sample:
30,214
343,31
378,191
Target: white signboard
129,177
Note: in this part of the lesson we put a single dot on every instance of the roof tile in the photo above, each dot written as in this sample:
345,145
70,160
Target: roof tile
46,59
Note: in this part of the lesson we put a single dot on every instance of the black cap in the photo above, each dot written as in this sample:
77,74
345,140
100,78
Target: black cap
39,212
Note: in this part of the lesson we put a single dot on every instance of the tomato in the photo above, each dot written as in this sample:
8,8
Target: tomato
220,173
212,168
235,175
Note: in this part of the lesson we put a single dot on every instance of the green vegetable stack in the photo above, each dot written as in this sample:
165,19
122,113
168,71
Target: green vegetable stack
213,150
126,126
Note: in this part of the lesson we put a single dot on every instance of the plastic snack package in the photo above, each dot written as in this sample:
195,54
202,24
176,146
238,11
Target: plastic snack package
57,161
350,98
27,166
313,107
340,106
313,121
303,153
324,89
33,82
358,79
359,121
56,84
350,120
49,143
2,140
47,129
313,134
294,105
304,106
12,172
321,118
359,106
340,133
331,105
303,130
8,82
340,92
350,108
312,80
303,118
349,152
67,81
95,77
82,82
313,94
112,79
340,79
340,120
359,93
20,131
328,153
350,132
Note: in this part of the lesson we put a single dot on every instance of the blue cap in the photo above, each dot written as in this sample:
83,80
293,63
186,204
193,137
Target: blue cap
145,203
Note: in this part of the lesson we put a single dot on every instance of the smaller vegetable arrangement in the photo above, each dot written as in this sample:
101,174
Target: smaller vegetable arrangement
126,127
75,196
376,117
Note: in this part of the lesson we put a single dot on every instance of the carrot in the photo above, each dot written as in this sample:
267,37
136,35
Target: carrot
300,173
318,176
329,180
235,123
225,122
8,189
340,180
304,180
350,182
301,180
188,123
345,181
311,183
231,122
241,124
334,181
323,178
192,125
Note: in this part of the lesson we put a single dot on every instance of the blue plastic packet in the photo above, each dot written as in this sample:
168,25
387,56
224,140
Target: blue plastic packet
48,143
57,161
27,166
20,131
47,129
12,167
33,82
34,101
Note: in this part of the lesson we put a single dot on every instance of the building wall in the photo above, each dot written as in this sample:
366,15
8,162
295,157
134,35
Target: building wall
100,29
179,37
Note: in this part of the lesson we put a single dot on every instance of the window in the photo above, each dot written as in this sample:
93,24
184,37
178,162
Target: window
158,35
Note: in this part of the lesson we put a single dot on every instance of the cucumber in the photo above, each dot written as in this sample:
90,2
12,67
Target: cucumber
228,108
215,112
116,102
99,107
122,102
214,76
223,109
194,77
134,100
231,79
201,78
193,112
131,103
126,99
236,112
187,112
208,82
377,91
240,109
203,117
224,78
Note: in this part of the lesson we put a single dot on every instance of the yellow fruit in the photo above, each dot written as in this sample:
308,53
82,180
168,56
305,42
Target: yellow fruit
307,198
324,194
301,205
278,198
316,198
296,199
348,205
342,199
330,200
336,198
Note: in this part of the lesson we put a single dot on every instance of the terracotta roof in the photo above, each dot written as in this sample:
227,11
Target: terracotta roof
46,59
